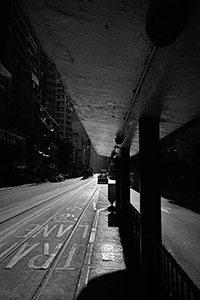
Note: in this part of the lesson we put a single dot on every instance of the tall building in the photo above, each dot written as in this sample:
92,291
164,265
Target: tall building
63,111
78,157
5,93
12,146
20,76
37,135
63,117
48,133
20,56
84,157
48,85
21,50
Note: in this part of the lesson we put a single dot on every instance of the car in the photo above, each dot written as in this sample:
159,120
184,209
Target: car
57,178
60,177
102,178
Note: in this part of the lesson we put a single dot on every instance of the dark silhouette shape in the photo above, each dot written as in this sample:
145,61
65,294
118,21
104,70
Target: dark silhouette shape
113,286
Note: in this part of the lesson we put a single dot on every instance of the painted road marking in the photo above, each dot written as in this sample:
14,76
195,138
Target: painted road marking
47,230
30,231
94,206
104,196
166,209
84,277
61,217
46,249
61,231
20,254
85,231
95,223
92,235
50,259
69,259
32,265
13,228
8,249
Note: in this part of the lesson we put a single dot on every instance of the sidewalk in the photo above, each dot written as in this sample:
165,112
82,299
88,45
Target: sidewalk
106,274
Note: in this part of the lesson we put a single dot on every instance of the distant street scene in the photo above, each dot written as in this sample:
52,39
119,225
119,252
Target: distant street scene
99,150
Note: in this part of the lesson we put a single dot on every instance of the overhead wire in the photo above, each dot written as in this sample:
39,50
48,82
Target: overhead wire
136,92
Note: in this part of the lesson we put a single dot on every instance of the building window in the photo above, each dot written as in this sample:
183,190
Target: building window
4,84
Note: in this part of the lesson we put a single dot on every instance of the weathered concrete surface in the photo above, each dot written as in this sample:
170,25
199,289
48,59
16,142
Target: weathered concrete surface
100,48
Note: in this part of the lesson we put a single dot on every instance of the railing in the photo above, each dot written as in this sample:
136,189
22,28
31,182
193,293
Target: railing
175,281
170,279
133,218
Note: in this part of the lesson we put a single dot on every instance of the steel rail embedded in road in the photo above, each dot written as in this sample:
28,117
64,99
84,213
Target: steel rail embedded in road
41,286
44,223
71,188
13,257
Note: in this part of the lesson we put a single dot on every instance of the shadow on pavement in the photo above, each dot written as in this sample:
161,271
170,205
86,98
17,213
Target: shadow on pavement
116,280
111,286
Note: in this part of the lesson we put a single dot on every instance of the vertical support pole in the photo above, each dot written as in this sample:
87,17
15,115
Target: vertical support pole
125,221
118,185
122,181
150,204
125,172
125,195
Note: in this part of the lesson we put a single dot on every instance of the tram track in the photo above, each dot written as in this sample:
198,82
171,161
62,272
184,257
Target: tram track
5,211
41,286
44,223
54,258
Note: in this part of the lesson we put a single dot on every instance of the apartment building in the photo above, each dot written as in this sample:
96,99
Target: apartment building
20,58
36,115
63,111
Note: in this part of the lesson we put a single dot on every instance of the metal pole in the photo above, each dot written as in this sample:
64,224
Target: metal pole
150,205
125,172
118,185
122,181
126,231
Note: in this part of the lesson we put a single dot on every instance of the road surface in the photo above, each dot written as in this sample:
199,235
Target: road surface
44,233
180,234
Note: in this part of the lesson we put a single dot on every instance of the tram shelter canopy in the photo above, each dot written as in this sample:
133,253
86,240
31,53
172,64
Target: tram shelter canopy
123,59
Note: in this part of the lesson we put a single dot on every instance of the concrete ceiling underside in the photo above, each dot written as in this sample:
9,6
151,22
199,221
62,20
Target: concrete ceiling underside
111,69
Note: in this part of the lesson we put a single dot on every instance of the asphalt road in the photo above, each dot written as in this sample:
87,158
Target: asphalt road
180,234
15,200
180,228
42,249
11,195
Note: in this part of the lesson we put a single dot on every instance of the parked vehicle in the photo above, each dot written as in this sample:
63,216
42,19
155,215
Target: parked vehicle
87,173
58,178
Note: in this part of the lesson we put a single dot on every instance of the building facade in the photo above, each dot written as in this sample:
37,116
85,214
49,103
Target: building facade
40,134
20,77
85,155
63,112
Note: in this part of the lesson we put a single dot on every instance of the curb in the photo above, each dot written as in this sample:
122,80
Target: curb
85,270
